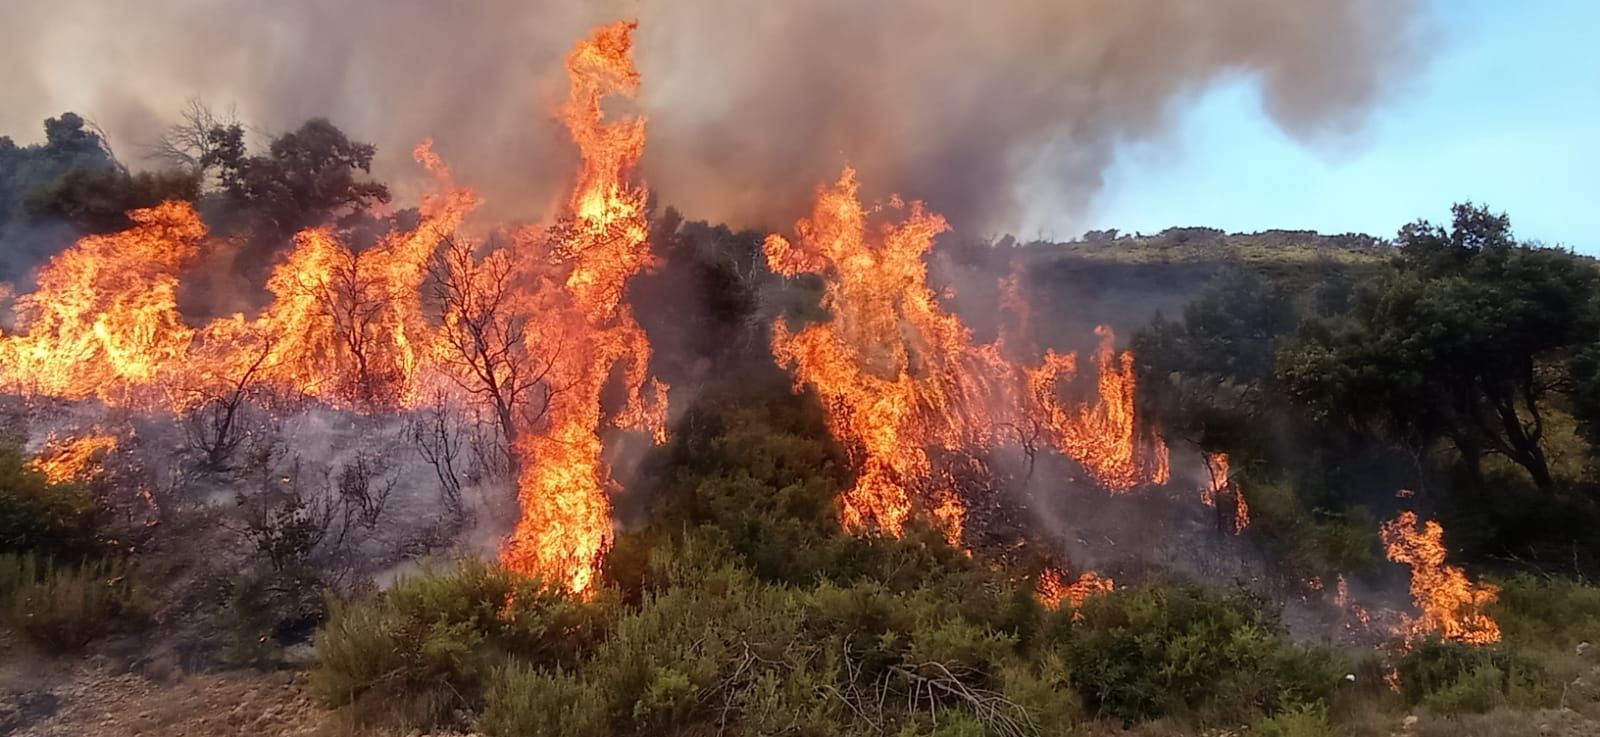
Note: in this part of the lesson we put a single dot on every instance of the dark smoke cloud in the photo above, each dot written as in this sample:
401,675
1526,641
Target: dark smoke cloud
981,108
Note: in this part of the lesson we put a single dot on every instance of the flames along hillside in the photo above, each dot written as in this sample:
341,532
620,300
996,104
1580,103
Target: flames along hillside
534,329
533,333
538,328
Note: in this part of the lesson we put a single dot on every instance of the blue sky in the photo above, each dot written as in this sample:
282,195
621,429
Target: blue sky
1507,113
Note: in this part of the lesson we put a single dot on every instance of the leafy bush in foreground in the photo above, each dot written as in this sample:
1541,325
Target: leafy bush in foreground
422,649
1306,720
1184,650
1450,678
712,647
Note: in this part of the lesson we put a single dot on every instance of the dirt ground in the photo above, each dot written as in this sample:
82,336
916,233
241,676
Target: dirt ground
100,697
90,699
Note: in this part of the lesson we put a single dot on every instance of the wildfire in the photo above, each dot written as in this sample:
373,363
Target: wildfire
900,376
1342,599
1103,435
344,326
73,460
1053,589
566,526
1217,470
349,327
104,320
1220,488
1451,604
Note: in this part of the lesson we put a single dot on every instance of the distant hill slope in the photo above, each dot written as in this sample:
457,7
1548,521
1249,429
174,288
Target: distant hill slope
1124,280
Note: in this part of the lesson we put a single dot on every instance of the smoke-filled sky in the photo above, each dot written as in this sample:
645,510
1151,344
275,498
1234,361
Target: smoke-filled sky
1006,116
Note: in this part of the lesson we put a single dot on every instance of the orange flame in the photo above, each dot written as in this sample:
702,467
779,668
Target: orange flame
1219,485
1103,436
345,327
348,327
1451,604
1053,589
900,376
565,530
104,320
1342,599
73,460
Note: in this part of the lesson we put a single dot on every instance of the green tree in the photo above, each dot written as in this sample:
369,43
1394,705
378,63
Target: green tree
1458,341
1209,377
98,200
1583,382
71,185
71,144
304,177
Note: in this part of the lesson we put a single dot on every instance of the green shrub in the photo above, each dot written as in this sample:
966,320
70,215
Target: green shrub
37,517
709,637
424,648
757,465
1190,652
66,607
1306,720
713,647
1547,613
704,641
1450,678
1043,687
945,723
1477,691
530,702
1307,542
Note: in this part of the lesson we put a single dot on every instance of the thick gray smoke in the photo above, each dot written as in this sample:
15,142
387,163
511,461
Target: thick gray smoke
981,108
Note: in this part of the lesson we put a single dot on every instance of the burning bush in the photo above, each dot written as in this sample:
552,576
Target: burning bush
37,517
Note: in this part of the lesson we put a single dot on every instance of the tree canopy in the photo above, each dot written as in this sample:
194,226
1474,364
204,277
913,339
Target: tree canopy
304,177
1463,340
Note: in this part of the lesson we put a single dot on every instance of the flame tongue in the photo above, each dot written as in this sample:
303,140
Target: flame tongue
72,460
1052,589
566,525
343,327
899,375
1451,604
